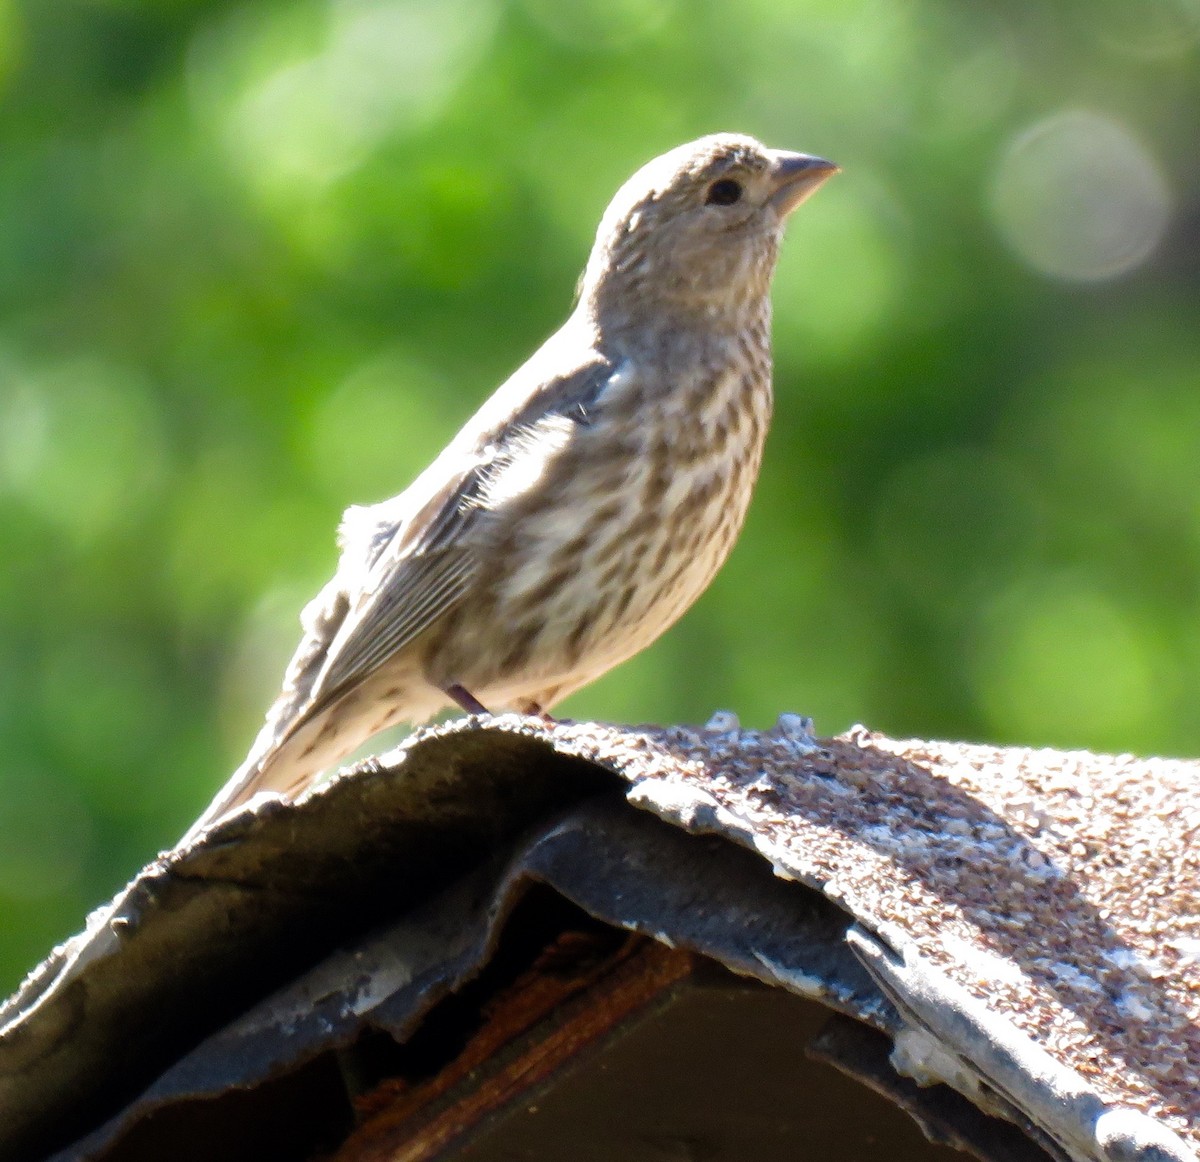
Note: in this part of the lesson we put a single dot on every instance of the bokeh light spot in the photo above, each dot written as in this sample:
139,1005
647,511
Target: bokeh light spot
82,444
1079,197
371,436
1060,663
600,24
296,120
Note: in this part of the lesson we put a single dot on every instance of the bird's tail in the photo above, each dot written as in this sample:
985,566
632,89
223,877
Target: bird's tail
283,765
243,784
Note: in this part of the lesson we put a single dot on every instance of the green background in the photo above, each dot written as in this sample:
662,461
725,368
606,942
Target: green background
259,260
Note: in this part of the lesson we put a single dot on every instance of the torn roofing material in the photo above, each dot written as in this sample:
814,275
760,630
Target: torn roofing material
203,932
1029,920
1055,894
623,867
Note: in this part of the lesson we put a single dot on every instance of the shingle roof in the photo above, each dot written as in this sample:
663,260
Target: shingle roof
1030,920
1060,892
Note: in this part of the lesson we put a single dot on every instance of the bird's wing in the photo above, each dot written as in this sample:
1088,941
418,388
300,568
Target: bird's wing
412,571
408,561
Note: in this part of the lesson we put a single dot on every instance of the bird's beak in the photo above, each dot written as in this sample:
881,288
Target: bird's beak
794,177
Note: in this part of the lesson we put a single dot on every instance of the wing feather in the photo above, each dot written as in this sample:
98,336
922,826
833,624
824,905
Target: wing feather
422,567
410,560
421,592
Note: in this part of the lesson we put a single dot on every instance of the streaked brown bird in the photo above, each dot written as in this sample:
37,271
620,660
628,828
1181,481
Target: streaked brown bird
585,506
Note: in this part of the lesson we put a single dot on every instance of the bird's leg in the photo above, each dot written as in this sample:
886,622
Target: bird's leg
466,699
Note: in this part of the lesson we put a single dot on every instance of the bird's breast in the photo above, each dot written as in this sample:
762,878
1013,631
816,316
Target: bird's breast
638,514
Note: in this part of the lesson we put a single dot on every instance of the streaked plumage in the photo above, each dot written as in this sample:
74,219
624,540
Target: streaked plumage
586,505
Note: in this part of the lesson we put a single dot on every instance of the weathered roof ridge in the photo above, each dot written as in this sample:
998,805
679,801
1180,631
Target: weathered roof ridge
1031,918
1058,891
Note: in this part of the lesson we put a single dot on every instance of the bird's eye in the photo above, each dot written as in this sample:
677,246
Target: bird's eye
724,193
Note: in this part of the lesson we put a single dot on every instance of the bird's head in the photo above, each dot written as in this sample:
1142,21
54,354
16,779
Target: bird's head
697,230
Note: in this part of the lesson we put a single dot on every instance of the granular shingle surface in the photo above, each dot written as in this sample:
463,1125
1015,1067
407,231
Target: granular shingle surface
1062,890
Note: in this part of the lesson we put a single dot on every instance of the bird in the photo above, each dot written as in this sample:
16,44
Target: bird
584,507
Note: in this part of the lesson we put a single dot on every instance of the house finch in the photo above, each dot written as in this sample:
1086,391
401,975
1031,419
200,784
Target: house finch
585,506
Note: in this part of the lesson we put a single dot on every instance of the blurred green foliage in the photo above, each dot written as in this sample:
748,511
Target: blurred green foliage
259,260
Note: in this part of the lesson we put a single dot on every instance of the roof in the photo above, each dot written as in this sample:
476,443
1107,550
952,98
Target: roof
1024,925
1059,891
